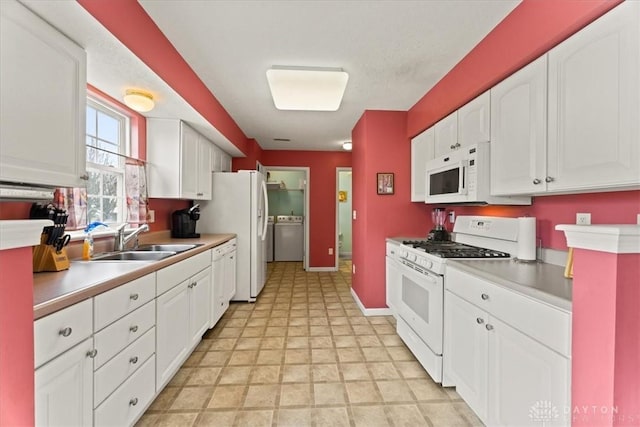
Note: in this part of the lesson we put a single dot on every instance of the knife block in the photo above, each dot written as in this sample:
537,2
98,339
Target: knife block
45,258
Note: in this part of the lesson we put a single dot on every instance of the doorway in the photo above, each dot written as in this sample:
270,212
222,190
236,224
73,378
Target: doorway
288,194
343,214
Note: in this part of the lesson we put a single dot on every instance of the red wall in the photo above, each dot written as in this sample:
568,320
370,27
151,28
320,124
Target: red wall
531,29
380,145
322,191
16,338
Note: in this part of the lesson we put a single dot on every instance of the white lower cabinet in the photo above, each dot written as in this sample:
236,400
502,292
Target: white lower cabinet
224,279
393,277
182,317
64,388
230,271
507,377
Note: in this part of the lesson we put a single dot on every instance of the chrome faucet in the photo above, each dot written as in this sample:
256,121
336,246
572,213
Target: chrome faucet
121,241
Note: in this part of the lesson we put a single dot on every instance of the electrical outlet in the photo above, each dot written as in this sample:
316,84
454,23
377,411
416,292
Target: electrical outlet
452,217
354,214
638,219
583,218
330,251
151,216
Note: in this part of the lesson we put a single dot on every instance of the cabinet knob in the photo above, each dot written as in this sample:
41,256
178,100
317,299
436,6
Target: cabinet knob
480,320
84,177
452,146
134,328
133,297
134,401
549,179
93,353
536,181
133,360
484,296
199,194
489,327
65,332
457,145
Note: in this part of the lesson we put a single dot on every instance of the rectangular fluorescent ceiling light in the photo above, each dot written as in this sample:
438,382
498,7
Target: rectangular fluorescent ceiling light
307,89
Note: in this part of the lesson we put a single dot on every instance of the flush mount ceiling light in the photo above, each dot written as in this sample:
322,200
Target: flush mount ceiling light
139,100
307,89
347,145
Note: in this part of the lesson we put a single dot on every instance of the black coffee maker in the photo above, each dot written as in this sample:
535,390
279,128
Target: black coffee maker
183,222
439,233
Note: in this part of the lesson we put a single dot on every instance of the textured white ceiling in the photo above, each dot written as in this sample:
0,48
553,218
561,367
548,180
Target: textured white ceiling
394,52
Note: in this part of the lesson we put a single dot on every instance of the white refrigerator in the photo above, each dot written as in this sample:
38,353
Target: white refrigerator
239,205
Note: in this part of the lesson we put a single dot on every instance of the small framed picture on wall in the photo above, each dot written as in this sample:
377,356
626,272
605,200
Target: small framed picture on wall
385,182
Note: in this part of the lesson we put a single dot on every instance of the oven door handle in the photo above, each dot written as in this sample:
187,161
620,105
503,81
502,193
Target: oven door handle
462,178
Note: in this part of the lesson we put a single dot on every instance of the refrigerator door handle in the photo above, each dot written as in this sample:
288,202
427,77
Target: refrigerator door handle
265,216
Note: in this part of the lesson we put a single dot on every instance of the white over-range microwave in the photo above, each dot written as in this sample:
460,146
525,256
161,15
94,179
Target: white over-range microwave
464,176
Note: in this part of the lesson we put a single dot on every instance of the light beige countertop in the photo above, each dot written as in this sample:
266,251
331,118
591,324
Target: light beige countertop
542,281
85,279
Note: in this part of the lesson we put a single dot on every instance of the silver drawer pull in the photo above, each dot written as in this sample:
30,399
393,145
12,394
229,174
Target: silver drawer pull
93,353
134,401
549,179
133,360
489,327
484,296
133,297
480,320
65,332
536,181
133,328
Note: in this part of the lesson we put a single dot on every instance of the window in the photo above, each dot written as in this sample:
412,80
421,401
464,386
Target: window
107,141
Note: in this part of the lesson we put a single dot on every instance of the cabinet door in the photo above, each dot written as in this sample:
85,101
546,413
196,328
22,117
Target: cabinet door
446,134
216,159
465,355
529,383
422,150
393,278
64,388
43,97
204,169
225,162
217,291
230,276
594,104
199,306
519,131
473,121
172,329
189,162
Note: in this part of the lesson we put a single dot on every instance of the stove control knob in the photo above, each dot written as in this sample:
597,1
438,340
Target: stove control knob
412,257
404,254
428,264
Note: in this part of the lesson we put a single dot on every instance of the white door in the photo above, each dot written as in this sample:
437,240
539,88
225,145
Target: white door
529,382
519,131
465,355
64,388
422,150
473,121
446,134
172,329
594,104
188,162
199,305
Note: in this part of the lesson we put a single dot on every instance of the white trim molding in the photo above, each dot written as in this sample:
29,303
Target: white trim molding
20,233
370,311
612,238
322,269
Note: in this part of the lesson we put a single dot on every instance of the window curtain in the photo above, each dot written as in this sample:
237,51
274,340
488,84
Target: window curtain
135,181
74,201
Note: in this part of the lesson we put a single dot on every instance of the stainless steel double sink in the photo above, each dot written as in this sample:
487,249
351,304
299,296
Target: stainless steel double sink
146,253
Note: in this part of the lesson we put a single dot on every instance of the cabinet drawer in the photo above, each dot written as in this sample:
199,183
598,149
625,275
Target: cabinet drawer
128,402
546,324
123,332
175,274
114,304
118,369
62,330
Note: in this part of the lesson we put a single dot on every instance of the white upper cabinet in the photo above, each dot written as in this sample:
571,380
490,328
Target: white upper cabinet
519,131
179,161
473,121
446,134
594,104
43,97
422,150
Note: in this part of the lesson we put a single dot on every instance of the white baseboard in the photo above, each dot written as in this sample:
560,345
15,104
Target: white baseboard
554,256
370,311
322,269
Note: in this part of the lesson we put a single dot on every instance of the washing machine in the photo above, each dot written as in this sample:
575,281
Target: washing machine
288,238
269,238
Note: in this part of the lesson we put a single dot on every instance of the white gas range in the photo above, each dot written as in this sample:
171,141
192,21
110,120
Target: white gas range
416,271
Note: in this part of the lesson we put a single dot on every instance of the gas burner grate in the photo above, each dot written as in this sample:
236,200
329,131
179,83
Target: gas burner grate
448,249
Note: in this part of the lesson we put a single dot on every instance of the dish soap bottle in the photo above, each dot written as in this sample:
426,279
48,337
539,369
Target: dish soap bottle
87,245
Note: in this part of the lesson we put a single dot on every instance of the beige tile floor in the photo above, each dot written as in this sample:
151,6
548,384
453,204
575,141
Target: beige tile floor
304,355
